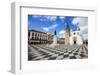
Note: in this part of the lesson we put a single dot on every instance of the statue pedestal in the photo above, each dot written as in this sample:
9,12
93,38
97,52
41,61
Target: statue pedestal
54,44
55,40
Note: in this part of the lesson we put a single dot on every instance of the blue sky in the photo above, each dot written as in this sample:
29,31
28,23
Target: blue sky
51,23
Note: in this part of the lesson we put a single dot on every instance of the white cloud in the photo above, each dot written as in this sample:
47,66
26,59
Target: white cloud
53,26
36,16
45,28
83,24
76,20
84,29
62,32
52,18
50,27
83,21
44,18
62,18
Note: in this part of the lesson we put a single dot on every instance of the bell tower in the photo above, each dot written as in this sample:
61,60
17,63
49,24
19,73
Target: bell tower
67,34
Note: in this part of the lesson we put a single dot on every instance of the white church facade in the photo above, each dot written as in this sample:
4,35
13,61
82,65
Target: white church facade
73,37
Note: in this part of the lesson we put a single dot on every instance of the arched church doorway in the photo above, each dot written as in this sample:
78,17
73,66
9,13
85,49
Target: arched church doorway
74,40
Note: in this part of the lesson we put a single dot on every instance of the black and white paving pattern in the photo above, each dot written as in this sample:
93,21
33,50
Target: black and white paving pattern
42,52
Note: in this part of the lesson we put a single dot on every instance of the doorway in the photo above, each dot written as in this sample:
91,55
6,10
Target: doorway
74,40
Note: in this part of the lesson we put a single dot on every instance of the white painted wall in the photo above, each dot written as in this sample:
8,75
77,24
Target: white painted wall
79,40
5,33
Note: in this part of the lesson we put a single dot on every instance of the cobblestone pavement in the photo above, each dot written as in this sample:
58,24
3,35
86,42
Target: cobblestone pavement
42,52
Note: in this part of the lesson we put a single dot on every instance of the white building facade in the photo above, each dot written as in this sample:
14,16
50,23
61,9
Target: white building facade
73,37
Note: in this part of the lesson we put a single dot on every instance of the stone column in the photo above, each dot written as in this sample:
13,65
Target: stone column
55,40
